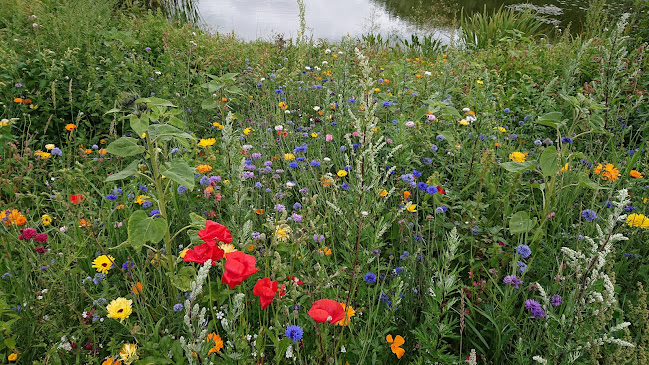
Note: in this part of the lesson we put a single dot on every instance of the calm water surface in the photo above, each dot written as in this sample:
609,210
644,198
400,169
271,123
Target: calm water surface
334,19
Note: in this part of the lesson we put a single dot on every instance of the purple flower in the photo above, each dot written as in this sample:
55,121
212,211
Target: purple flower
589,215
294,332
512,280
535,308
431,190
556,300
370,278
181,189
178,307
280,207
296,217
524,251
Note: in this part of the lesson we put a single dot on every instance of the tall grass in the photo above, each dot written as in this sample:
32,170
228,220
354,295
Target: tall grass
484,30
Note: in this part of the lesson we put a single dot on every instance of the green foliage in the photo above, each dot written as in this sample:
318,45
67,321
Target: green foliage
482,30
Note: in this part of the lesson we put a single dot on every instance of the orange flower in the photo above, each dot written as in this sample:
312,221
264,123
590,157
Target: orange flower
70,127
218,343
608,172
21,221
137,288
325,181
203,168
84,223
635,174
111,361
18,100
406,194
259,211
395,345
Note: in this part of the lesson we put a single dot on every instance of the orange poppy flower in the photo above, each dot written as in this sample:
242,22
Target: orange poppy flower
70,127
18,100
406,194
395,345
137,288
259,211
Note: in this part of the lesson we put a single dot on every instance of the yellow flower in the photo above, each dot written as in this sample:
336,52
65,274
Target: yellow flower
314,134
207,142
49,146
325,251
517,157
218,343
637,220
46,220
217,125
227,247
341,173
183,253
289,156
383,193
609,172
120,308
143,135
111,361
70,127
247,131
377,89
349,313
480,82
635,174
128,353
282,232
141,199
4,123
463,122
203,168
43,155
501,129
565,168
12,357
412,208
103,263
326,181
283,105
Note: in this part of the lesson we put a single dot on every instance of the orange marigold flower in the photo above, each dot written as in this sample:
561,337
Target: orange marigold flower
18,100
203,168
218,343
635,174
259,211
70,127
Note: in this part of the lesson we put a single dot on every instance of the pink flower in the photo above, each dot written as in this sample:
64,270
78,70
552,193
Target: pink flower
28,234
431,117
41,238
329,138
410,124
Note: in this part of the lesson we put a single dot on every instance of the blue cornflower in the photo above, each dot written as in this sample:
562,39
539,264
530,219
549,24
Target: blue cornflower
355,145
426,161
524,251
416,173
440,137
589,215
294,332
422,186
431,190
292,164
404,255
566,140
111,197
147,204
440,210
345,186
178,307
315,163
343,148
297,206
434,148
538,142
399,270
143,188
155,212
522,267
370,277
181,189
506,110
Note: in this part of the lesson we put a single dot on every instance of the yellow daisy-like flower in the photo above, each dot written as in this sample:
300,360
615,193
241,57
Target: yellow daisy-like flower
282,232
141,199
247,131
637,220
49,146
12,357
412,208
103,263
463,122
517,156
314,135
341,173
119,308
349,313
128,353
383,193
501,129
207,142
289,156
217,125
283,105
227,247
46,220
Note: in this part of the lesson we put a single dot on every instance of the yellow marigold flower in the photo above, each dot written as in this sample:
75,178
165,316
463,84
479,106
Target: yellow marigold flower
141,199
218,343
227,247
349,313
12,357
128,353
565,168
463,122
203,168
49,146
480,82
283,105
377,90
412,208
282,232
119,308
517,156
635,174
341,173
247,131
501,129
4,123
289,156
206,142
217,125
103,263
70,127
314,134
46,220
637,220
183,253
383,193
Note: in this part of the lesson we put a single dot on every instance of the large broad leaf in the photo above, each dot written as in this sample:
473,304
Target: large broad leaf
549,161
209,104
420,113
155,102
128,171
139,125
143,229
183,280
518,166
179,171
552,119
520,222
586,182
160,131
125,146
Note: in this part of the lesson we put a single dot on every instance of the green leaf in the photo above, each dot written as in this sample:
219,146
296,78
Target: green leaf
155,102
179,171
234,90
209,104
128,171
518,166
520,222
139,125
585,181
549,161
552,119
183,279
420,113
143,229
114,110
10,342
164,132
125,146
177,122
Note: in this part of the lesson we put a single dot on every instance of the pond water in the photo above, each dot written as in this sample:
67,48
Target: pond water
334,19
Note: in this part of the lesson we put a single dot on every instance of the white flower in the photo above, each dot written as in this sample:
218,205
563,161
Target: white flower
327,51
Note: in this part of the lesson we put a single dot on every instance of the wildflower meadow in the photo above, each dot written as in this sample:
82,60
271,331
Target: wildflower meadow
173,196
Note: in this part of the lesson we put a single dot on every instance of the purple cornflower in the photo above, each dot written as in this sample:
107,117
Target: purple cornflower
589,215
178,307
294,332
535,308
524,251
512,280
370,278
556,300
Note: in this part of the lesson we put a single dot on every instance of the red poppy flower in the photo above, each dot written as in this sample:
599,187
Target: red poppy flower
327,310
76,198
208,250
265,289
215,231
238,267
295,280
441,190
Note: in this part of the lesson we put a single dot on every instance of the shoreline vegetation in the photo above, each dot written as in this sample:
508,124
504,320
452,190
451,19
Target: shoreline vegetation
170,196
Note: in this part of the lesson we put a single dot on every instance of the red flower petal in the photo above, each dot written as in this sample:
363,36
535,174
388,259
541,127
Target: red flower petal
325,310
215,231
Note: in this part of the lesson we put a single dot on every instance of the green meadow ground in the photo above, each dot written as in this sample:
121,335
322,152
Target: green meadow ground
359,201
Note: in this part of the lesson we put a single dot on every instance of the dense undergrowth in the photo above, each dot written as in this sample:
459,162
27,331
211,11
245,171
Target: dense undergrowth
384,203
